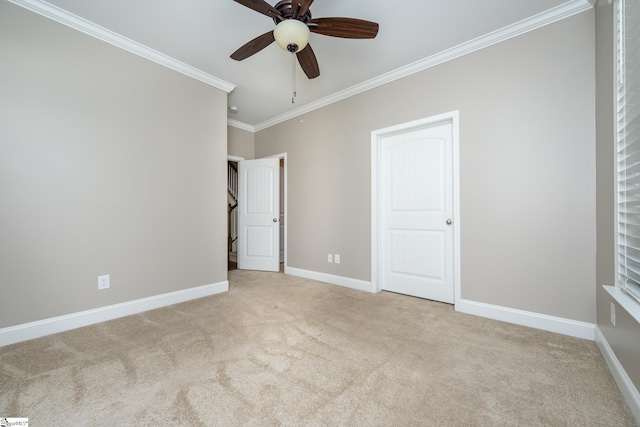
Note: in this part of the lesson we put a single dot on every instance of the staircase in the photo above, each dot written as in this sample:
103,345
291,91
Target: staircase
232,202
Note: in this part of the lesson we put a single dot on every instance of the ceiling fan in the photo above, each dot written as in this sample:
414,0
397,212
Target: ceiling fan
293,24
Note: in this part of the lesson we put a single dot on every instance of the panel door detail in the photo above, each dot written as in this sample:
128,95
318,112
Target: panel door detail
416,204
259,214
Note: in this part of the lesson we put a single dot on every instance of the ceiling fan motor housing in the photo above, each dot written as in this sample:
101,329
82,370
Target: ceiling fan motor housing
287,11
293,26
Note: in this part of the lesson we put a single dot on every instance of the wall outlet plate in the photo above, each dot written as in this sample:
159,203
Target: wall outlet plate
613,314
104,282
329,258
336,258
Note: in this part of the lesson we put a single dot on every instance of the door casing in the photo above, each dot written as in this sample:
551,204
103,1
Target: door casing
376,146
283,195
258,216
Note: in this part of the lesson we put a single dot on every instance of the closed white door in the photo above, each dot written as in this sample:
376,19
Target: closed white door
416,213
259,214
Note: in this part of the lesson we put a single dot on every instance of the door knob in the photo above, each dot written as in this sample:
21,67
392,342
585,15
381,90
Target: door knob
449,222
275,219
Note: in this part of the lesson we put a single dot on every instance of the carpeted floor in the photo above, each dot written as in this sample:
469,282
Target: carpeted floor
280,350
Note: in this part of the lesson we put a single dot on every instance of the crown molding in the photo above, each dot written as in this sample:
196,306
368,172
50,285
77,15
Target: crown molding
77,23
558,13
241,125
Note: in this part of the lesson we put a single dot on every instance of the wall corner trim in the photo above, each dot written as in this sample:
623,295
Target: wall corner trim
40,328
360,285
545,322
77,23
241,125
627,389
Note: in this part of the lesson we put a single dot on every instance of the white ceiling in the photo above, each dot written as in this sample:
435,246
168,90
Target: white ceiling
203,33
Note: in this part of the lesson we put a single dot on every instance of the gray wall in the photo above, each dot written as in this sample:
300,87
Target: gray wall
527,160
109,164
240,143
624,338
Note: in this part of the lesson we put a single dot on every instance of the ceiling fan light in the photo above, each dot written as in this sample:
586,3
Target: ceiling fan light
291,32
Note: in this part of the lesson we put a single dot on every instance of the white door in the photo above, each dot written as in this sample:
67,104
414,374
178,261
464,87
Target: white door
259,213
416,208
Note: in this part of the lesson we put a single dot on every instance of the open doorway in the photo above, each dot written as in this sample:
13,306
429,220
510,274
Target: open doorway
232,212
234,201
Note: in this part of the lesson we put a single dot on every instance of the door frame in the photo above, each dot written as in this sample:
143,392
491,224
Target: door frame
376,187
283,195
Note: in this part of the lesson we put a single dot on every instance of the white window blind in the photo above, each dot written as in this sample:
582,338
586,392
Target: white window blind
628,145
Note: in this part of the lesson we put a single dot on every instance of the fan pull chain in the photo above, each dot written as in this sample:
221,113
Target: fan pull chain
293,77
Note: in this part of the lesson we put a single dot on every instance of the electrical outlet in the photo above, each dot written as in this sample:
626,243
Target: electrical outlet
329,258
336,258
103,282
613,314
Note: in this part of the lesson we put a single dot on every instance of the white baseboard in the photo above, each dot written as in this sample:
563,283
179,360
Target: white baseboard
558,325
40,328
627,389
346,282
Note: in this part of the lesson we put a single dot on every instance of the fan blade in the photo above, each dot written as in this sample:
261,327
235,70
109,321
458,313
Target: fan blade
254,46
347,28
300,7
297,7
306,4
308,62
260,6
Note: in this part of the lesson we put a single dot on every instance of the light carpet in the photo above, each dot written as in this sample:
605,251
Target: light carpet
281,350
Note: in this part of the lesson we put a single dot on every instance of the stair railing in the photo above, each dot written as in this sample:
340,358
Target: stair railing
232,188
232,181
